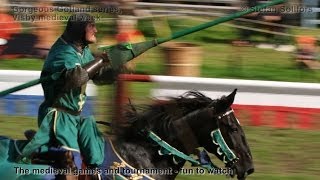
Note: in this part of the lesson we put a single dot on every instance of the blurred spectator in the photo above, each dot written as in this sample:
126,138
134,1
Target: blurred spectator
306,48
273,16
45,29
108,29
8,26
270,15
127,8
127,32
127,28
278,42
245,34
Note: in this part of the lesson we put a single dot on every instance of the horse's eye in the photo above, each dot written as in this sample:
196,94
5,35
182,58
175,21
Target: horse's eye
234,129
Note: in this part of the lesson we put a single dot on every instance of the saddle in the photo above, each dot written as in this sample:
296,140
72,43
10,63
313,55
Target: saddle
57,158
60,158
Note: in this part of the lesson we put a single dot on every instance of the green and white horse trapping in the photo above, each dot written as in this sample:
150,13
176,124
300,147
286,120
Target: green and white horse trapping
223,149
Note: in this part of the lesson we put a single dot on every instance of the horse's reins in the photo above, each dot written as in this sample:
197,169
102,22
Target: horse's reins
218,139
229,158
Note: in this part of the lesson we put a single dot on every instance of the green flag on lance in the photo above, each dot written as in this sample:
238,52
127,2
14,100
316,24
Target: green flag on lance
120,54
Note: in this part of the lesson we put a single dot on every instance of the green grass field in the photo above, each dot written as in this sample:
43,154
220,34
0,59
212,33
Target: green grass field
278,153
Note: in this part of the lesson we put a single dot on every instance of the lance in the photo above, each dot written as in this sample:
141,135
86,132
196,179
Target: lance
121,53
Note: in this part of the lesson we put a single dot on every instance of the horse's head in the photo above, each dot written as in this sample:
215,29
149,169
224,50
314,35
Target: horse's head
211,124
191,121
232,134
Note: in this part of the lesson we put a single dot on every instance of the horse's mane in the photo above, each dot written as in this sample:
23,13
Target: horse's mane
158,117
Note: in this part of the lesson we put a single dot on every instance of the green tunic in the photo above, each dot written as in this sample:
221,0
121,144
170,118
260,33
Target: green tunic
72,132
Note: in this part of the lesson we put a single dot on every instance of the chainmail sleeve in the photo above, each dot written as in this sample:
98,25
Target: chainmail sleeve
106,75
75,77
99,72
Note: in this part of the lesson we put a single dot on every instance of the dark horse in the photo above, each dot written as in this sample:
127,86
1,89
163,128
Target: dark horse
181,125
186,123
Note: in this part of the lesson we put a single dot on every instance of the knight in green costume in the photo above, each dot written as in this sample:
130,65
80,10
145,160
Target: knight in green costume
59,119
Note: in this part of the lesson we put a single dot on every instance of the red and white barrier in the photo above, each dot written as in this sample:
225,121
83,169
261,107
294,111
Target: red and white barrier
267,103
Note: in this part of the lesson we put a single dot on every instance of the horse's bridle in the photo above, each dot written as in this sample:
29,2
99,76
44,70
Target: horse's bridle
229,158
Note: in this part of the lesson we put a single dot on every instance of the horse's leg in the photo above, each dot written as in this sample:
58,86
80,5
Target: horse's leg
65,161
88,176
